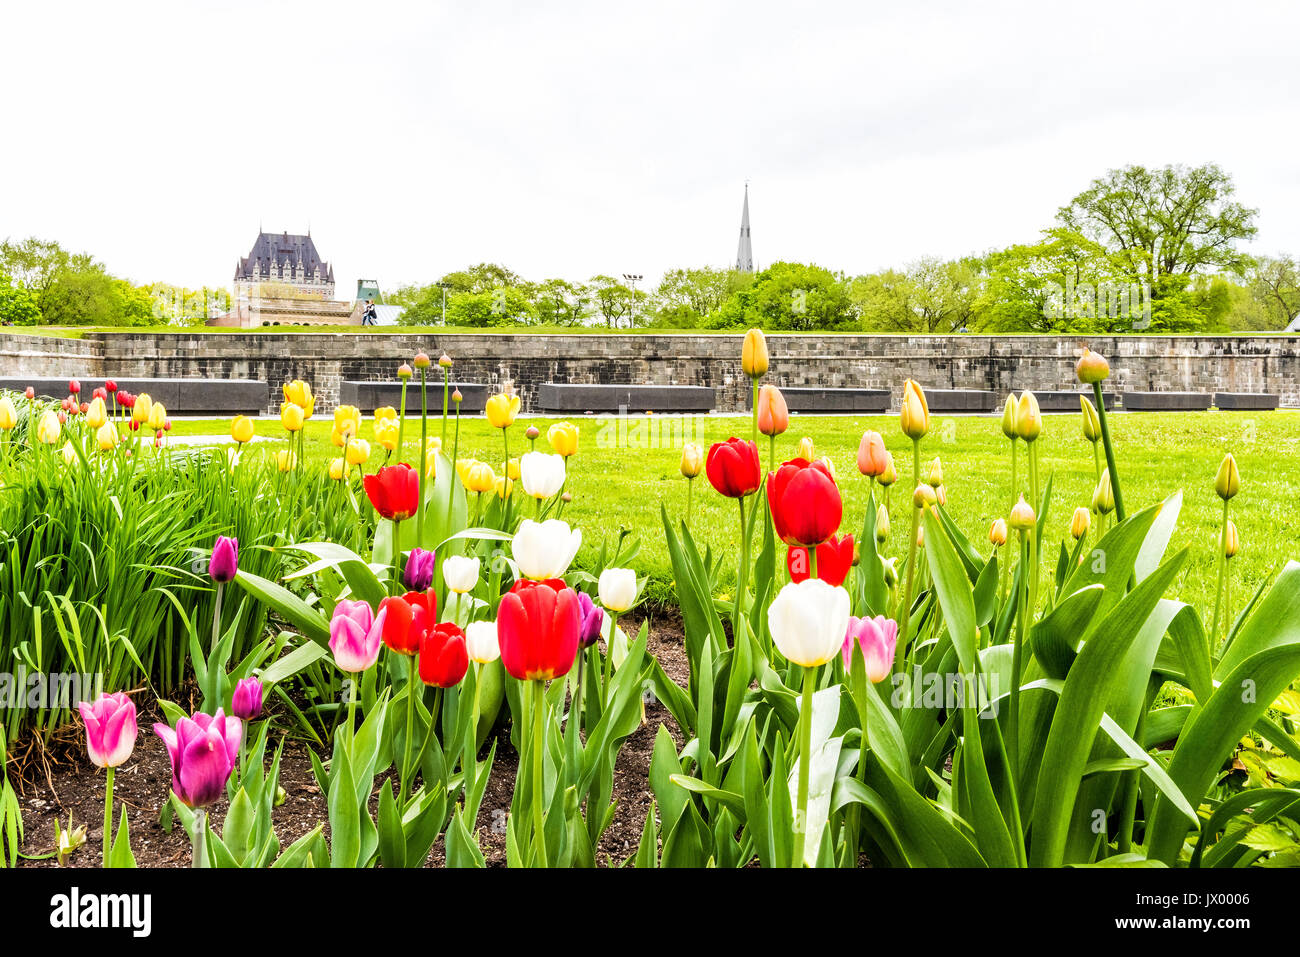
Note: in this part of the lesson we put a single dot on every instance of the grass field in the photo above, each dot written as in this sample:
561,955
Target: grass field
622,473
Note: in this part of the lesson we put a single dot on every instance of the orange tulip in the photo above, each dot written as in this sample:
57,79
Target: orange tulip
872,457
773,415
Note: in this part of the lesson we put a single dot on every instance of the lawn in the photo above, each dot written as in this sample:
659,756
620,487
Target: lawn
623,471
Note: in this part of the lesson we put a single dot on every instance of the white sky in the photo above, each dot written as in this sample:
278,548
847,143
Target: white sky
574,138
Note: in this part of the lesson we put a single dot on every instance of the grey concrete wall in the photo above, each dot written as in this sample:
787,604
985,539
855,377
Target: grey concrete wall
1000,363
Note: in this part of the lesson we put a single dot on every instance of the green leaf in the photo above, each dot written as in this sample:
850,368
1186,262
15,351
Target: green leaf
303,617
120,855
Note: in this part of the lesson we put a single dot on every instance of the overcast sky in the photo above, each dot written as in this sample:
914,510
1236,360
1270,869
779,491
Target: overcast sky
570,139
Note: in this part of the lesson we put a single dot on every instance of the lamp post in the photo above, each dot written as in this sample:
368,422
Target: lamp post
443,286
632,278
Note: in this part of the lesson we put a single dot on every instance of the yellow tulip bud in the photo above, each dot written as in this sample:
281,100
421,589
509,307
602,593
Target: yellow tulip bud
890,566
48,428
1091,367
431,465
69,453
924,495
386,433
805,451
291,416
563,437
1103,497
157,417
241,429
1022,516
692,460
385,412
753,354
1091,421
915,414
936,473
285,460
8,414
106,436
1080,523
299,393
504,488
143,406
1029,421
338,469
890,475
998,532
882,524
96,413
501,410
1009,413
1228,482
920,536
479,477
357,452
347,421
830,466
512,469
1231,544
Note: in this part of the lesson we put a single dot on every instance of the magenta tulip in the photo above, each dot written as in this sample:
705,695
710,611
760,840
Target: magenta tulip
878,638
203,750
225,559
110,729
356,635
247,701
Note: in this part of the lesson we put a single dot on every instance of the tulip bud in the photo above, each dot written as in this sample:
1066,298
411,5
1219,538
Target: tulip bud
914,416
418,573
692,460
566,498
998,532
224,562
140,411
285,460
291,416
924,495
1091,367
920,536
1228,482
157,417
357,452
773,415
872,457
882,524
246,703
96,413
890,475
1029,421
531,433
753,354
8,414
1009,416
460,574
936,473
890,567
806,450
404,371
421,360
74,386
1103,497
49,427
1022,516
563,437
808,621
110,386
29,393
69,453
1231,544
617,589
1091,421
444,360
1080,523
338,468
481,642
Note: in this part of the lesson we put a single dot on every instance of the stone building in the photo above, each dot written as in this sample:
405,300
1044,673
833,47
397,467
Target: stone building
281,259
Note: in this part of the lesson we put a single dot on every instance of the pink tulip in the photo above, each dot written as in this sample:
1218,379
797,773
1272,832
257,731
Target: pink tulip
247,699
356,635
877,637
203,751
110,729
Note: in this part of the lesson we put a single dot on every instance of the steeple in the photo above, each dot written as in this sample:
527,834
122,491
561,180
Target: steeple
745,253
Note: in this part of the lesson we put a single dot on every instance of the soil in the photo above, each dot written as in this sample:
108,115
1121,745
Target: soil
66,784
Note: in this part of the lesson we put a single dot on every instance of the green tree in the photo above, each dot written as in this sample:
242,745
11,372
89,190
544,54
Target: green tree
1275,285
930,296
685,296
498,306
558,302
611,299
17,305
794,296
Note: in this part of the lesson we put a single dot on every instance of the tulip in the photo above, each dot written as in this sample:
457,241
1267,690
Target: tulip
1029,421
74,386
386,432
513,470
924,496
544,550
1091,367
110,729
241,429
96,413
808,621
141,408
872,457
29,393
408,618
1228,481
347,421
479,477
617,589
224,562
501,410
106,436
356,635
338,469
538,626
418,574
998,532
882,524
806,450
1103,497
593,618
692,460
69,454
1080,523
805,503
285,460
357,452
385,412
460,574
504,488
481,642
890,475
246,703
291,416
915,412
1022,516
48,428
936,473
8,414
298,393
834,559
773,414
157,417
733,468
890,568
1091,422
203,751
1009,418
393,491
563,437
444,656
542,474
1232,543
878,639
753,354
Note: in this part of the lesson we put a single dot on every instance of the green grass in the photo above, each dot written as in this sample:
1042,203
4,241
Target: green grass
1159,453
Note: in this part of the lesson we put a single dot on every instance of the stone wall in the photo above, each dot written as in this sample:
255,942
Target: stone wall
1001,363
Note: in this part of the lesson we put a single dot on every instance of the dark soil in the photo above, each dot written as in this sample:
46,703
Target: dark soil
67,783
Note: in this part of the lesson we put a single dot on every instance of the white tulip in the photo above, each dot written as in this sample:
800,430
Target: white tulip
542,474
545,549
481,642
459,573
617,588
808,621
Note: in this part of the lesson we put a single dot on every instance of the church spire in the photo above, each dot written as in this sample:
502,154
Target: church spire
745,253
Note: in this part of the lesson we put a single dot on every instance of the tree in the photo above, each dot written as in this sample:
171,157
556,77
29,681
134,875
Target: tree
1275,285
685,296
930,296
611,298
795,296
558,302
17,305
498,306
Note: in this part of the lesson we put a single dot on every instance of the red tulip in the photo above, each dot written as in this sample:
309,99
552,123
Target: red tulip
834,559
805,502
394,491
410,618
110,386
30,393
733,468
74,386
538,625
100,393
444,658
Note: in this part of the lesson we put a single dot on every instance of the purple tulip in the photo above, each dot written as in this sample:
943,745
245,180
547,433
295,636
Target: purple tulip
418,574
247,703
356,635
203,750
110,729
592,620
225,559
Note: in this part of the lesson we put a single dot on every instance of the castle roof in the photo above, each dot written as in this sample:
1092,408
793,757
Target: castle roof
274,249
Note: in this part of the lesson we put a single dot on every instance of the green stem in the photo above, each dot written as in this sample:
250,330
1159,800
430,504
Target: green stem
690,484
1223,570
754,407
198,839
446,386
539,774
609,662
407,770
905,610
401,421
1110,452
742,573
108,815
576,713
1013,710
805,746
420,457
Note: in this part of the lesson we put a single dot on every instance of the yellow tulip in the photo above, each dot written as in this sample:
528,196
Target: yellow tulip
8,414
106,437
805,451
753,354
299,393
385,412
830,466
563,437
512,470
924,495
338,469
1091,421
241,429
1029,421
479,477
890,475
1232,545
1228,482
357,452
432,444
936,473
157,417
291,416
1080,523
47,430
431,465
69,453
285,460
347,421
1103,496
998,532
501,410
915,414
386,433
96,413
692,460
143,406
882,524
1009,412
1022,516
504,488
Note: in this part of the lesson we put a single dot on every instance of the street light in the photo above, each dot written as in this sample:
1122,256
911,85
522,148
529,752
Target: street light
444,286
632,278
